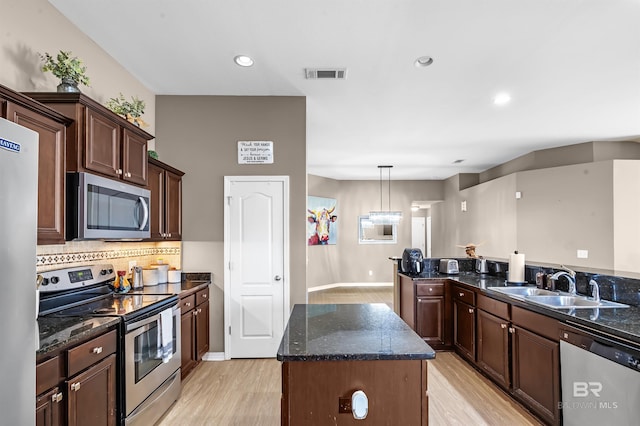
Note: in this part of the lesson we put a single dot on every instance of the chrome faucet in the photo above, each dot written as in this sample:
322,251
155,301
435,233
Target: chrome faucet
571,277
596,290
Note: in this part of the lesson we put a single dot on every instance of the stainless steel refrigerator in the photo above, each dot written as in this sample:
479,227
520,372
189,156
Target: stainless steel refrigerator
18,222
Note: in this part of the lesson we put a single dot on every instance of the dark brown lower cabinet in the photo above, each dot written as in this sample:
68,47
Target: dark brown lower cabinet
318,393
464,329
48,412
536,371
493,347
194,328
92,395
430,312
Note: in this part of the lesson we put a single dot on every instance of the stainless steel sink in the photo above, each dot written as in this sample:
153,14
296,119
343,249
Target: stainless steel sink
521,292
572,302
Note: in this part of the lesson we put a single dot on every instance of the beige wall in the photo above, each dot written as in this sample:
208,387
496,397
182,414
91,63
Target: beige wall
626,214
490,219
564,209
348,261
199,135
30,27
591,206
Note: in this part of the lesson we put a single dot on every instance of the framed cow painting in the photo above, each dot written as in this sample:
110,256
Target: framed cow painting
322,221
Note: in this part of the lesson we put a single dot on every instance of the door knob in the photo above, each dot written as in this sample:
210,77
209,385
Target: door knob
277,278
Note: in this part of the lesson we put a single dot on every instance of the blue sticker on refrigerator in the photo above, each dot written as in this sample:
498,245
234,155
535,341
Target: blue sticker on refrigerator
9,146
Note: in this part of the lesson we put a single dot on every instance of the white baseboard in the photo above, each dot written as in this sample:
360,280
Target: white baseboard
213,356
336,285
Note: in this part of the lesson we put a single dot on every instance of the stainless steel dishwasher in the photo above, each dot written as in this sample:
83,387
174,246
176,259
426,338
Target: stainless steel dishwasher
600,378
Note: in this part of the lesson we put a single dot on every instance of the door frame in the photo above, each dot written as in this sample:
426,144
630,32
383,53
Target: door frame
286,256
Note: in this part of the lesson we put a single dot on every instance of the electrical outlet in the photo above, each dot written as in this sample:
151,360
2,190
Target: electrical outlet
132,263
583,254
370,273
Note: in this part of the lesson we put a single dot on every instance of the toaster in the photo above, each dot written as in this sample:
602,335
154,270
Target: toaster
449,266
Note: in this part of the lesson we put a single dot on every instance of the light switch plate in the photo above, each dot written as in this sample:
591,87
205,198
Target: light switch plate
583,254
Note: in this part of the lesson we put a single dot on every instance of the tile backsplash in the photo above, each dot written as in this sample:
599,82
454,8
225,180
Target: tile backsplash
79,253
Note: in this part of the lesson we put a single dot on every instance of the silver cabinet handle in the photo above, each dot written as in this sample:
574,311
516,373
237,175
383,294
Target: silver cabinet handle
503,325
169,235
430,289
75,387
204,296
128,174
119,171
187,304
199,310
277,278
195,312
461,294
470,310
57,397
97,350
512,330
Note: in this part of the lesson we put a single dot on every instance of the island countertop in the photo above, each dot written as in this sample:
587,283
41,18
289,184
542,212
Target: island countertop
335,332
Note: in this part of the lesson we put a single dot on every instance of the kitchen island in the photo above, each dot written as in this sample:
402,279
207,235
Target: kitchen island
330,352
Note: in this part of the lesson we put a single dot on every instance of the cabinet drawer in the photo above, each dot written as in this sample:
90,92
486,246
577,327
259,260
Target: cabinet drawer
540,324
48,374
495,307
86,354
467,296
187,303
430,289
202,296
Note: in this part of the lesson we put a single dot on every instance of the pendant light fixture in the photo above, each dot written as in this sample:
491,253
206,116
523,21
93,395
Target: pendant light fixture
385,217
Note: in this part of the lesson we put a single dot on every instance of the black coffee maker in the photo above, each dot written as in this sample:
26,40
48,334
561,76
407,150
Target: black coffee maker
412,261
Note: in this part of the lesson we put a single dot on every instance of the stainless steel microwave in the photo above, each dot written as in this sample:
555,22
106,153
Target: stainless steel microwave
105,209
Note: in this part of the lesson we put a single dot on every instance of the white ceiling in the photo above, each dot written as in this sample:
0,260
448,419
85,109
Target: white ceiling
572,68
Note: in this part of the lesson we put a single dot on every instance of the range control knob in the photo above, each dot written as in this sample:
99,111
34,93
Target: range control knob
103,272
45,281
634,362
55,280
110,271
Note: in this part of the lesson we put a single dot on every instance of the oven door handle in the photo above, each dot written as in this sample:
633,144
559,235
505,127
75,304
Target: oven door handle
146,321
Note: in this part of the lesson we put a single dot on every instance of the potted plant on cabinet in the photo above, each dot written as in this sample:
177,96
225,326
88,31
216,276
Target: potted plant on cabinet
67,68
131,110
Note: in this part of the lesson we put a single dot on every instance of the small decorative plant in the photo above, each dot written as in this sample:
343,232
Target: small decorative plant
131,110
67,68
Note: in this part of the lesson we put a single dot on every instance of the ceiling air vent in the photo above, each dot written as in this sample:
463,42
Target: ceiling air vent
326,73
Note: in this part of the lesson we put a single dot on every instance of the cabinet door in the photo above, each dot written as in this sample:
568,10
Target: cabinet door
173,206
48,409
536,373
202,330
430,319
134,158
493,347
156,184
464,329
102,145
92,395
187,353
51,171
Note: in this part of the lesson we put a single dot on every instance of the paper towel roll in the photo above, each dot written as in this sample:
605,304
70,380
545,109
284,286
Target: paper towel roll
516,267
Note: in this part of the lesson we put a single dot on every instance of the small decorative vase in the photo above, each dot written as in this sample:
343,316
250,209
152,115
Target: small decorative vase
68,86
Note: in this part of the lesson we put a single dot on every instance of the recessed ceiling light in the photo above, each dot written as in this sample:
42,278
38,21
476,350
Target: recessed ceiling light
423,61
502,98
243,60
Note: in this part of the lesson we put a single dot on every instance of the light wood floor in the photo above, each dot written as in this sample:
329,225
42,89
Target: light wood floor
247,392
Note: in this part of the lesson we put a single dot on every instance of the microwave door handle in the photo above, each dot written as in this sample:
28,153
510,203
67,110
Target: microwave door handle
145,210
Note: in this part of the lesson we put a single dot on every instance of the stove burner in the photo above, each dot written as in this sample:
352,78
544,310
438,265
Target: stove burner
104,310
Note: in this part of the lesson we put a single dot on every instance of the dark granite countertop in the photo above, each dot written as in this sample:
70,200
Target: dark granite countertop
349,332
182,289
620,322
58,332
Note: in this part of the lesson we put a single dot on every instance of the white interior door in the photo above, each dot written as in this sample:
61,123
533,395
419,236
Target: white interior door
418,233
256,260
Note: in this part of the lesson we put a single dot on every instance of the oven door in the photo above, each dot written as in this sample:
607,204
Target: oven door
145,370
